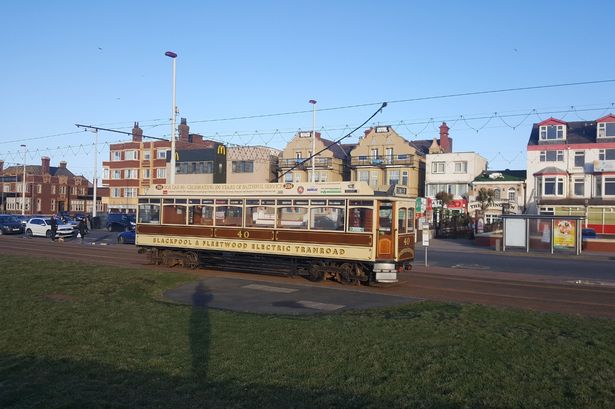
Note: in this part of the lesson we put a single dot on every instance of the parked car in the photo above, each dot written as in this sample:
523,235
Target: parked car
71,221
23,219
10,225
41,226
126,237
588,233
120,221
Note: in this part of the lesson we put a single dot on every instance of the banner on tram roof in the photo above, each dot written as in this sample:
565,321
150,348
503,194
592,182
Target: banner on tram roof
263,189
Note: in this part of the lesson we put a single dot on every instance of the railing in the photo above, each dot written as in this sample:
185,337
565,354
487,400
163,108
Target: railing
319,163
382,160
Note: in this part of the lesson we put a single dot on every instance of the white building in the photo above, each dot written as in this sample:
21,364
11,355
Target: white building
571,170
452,172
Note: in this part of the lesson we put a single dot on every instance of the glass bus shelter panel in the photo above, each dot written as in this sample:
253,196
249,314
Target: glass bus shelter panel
540,235
565,235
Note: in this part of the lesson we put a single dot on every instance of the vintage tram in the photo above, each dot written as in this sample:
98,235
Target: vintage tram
344,231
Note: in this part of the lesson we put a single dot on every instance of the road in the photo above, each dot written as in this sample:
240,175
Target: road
457,273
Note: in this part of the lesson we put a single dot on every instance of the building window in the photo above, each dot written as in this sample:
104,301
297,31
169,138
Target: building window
512,194
437,167
606,130
73,190
146,173
116,192
131,173
375,153
298,155
389,155
288,177
374,178
579,159
579,187
53,189
147,155
161,154
161,173
609,187
551,156
393,177
62,190
53,206
551,132
117,174
116,155
606,154
105,173
320,176
404,178
243,166
130,155
461,167
553,186
497,194
364,176
39,188
598,191
297,177
130,192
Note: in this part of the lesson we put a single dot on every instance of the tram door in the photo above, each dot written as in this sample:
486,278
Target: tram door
384,246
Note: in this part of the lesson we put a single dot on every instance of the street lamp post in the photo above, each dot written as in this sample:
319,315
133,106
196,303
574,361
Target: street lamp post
95,172
173,56
23,183
313,159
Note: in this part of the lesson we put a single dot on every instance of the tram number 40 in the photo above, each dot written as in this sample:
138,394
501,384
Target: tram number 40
243,234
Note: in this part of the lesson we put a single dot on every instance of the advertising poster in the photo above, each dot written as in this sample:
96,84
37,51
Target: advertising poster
564,234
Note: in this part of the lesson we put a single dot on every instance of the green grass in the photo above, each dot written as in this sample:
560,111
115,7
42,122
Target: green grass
82,336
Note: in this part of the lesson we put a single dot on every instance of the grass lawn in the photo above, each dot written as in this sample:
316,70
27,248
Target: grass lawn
82,336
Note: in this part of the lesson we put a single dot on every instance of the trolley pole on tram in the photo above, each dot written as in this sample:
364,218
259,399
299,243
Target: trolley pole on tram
313,102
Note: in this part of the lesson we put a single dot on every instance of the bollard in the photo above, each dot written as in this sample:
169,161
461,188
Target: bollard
498,244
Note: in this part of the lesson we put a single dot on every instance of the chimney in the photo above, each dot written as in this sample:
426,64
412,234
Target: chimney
137,133
45,165
446,143
1,165
184,131
63,164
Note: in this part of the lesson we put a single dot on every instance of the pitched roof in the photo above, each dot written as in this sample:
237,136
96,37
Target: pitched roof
38,170
507,175
422,145
336,148
576,133
551,170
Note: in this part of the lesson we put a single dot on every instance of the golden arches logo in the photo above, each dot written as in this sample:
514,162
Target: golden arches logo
221,150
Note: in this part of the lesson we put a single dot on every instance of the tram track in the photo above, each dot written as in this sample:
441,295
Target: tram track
504,290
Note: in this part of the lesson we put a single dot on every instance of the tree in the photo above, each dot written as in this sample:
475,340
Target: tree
485,197
444,197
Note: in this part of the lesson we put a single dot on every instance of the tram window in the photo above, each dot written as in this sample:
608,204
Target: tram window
228,215
336,203
360,219
385,217
207,201
194,201
252,202
221,201
149,213
268,202
169,201
174,214
319,202
292,217
201,215
410,220
363,203
237,201
401,220
327,218
181,201
300,202
260,216
285,202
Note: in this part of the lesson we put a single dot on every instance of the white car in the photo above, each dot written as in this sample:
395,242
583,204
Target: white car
41,226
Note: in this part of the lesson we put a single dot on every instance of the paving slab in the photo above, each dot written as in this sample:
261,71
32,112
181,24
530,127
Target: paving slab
277,298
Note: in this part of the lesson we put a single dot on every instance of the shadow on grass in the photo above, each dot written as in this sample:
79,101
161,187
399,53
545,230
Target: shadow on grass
29,382
200,331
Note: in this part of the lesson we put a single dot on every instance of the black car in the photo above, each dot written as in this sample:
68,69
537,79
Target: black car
10,225
120,221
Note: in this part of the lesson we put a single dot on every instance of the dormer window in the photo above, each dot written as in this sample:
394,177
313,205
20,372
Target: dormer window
606,129
551,132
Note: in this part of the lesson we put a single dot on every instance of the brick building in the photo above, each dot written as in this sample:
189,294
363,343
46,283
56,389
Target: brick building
49,189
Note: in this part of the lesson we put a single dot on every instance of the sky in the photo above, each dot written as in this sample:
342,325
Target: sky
102,63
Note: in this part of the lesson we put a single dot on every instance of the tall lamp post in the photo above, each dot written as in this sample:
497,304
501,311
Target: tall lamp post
173,56
313,159
23,183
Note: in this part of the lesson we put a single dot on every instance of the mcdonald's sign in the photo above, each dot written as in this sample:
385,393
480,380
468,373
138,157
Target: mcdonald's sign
221,150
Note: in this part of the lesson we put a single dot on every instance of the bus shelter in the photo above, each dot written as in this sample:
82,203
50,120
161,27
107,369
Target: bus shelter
542,233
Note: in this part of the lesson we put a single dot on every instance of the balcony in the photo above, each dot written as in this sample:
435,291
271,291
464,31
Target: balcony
382,160
319,163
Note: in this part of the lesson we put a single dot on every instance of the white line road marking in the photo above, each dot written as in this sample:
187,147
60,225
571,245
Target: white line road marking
320,305
270,288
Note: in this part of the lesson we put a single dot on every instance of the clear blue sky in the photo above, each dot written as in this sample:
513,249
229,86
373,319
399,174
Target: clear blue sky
103,63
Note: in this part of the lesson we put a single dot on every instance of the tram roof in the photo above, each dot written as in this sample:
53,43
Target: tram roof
347,189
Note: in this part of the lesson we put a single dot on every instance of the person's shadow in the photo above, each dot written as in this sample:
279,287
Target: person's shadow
200,331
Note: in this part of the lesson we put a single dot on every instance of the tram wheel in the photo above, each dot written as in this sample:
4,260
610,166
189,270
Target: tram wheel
346,274
316,273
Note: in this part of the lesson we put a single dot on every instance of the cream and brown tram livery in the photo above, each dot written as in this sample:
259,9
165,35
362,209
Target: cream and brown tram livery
344,231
